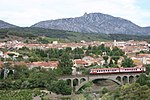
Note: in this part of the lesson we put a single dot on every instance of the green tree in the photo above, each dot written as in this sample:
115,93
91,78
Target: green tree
147,69
65,64
104,90
111,63
105,58
61,87
115,58
143,80
102,47
127,62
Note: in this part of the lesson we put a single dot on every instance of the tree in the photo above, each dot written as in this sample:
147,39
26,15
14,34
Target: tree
65,64
102,47
116,58
105,58
147,68
127,62
143,80
111,63
117,52
104,90
61,87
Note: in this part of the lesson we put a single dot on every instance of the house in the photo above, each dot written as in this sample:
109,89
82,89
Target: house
90,60
46,65
79,63
119,43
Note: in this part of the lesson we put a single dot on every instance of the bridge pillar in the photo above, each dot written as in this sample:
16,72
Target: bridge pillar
122,81
72,92
128,80
72,83
135,78
78,82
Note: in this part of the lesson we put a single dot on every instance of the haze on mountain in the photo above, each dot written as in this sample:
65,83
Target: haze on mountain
6,25
94,23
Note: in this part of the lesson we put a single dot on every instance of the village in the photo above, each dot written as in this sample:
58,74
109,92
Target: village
136,50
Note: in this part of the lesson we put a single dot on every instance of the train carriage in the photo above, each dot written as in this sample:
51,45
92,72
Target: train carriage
104,70
116,70
134,69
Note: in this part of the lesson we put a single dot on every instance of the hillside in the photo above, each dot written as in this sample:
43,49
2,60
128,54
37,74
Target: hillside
28,33
6,25
50,34
93,23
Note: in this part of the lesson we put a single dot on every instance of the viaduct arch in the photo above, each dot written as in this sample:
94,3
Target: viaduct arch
77,82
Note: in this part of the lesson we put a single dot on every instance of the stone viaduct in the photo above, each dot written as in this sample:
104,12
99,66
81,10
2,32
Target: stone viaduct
77,81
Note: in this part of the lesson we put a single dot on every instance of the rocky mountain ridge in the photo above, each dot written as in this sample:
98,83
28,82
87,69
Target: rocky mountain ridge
4,24
94,23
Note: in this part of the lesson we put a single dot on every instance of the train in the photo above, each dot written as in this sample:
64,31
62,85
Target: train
94,71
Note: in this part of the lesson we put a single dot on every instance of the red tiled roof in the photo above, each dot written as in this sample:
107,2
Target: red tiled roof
143,55
79,61
45,64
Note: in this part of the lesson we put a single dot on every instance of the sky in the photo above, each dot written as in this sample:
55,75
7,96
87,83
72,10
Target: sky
28,12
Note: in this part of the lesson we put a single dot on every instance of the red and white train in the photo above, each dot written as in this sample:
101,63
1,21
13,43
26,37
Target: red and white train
117,70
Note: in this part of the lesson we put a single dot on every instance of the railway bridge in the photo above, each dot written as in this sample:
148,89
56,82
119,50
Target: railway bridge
77,81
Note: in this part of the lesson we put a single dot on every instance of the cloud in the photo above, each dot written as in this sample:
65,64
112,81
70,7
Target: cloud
28,12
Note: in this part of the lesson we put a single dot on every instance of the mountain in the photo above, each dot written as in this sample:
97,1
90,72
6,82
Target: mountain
93,23
6,25
147,29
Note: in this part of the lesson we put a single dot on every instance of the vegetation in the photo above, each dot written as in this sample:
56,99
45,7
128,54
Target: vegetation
127,62
60,35
129,92
135,91
49,35
18,94
23,78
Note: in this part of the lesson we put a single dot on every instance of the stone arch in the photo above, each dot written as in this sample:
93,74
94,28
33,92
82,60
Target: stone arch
131,79
68,81
118,78
136,77
75,82
125,79
83,83
82,80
